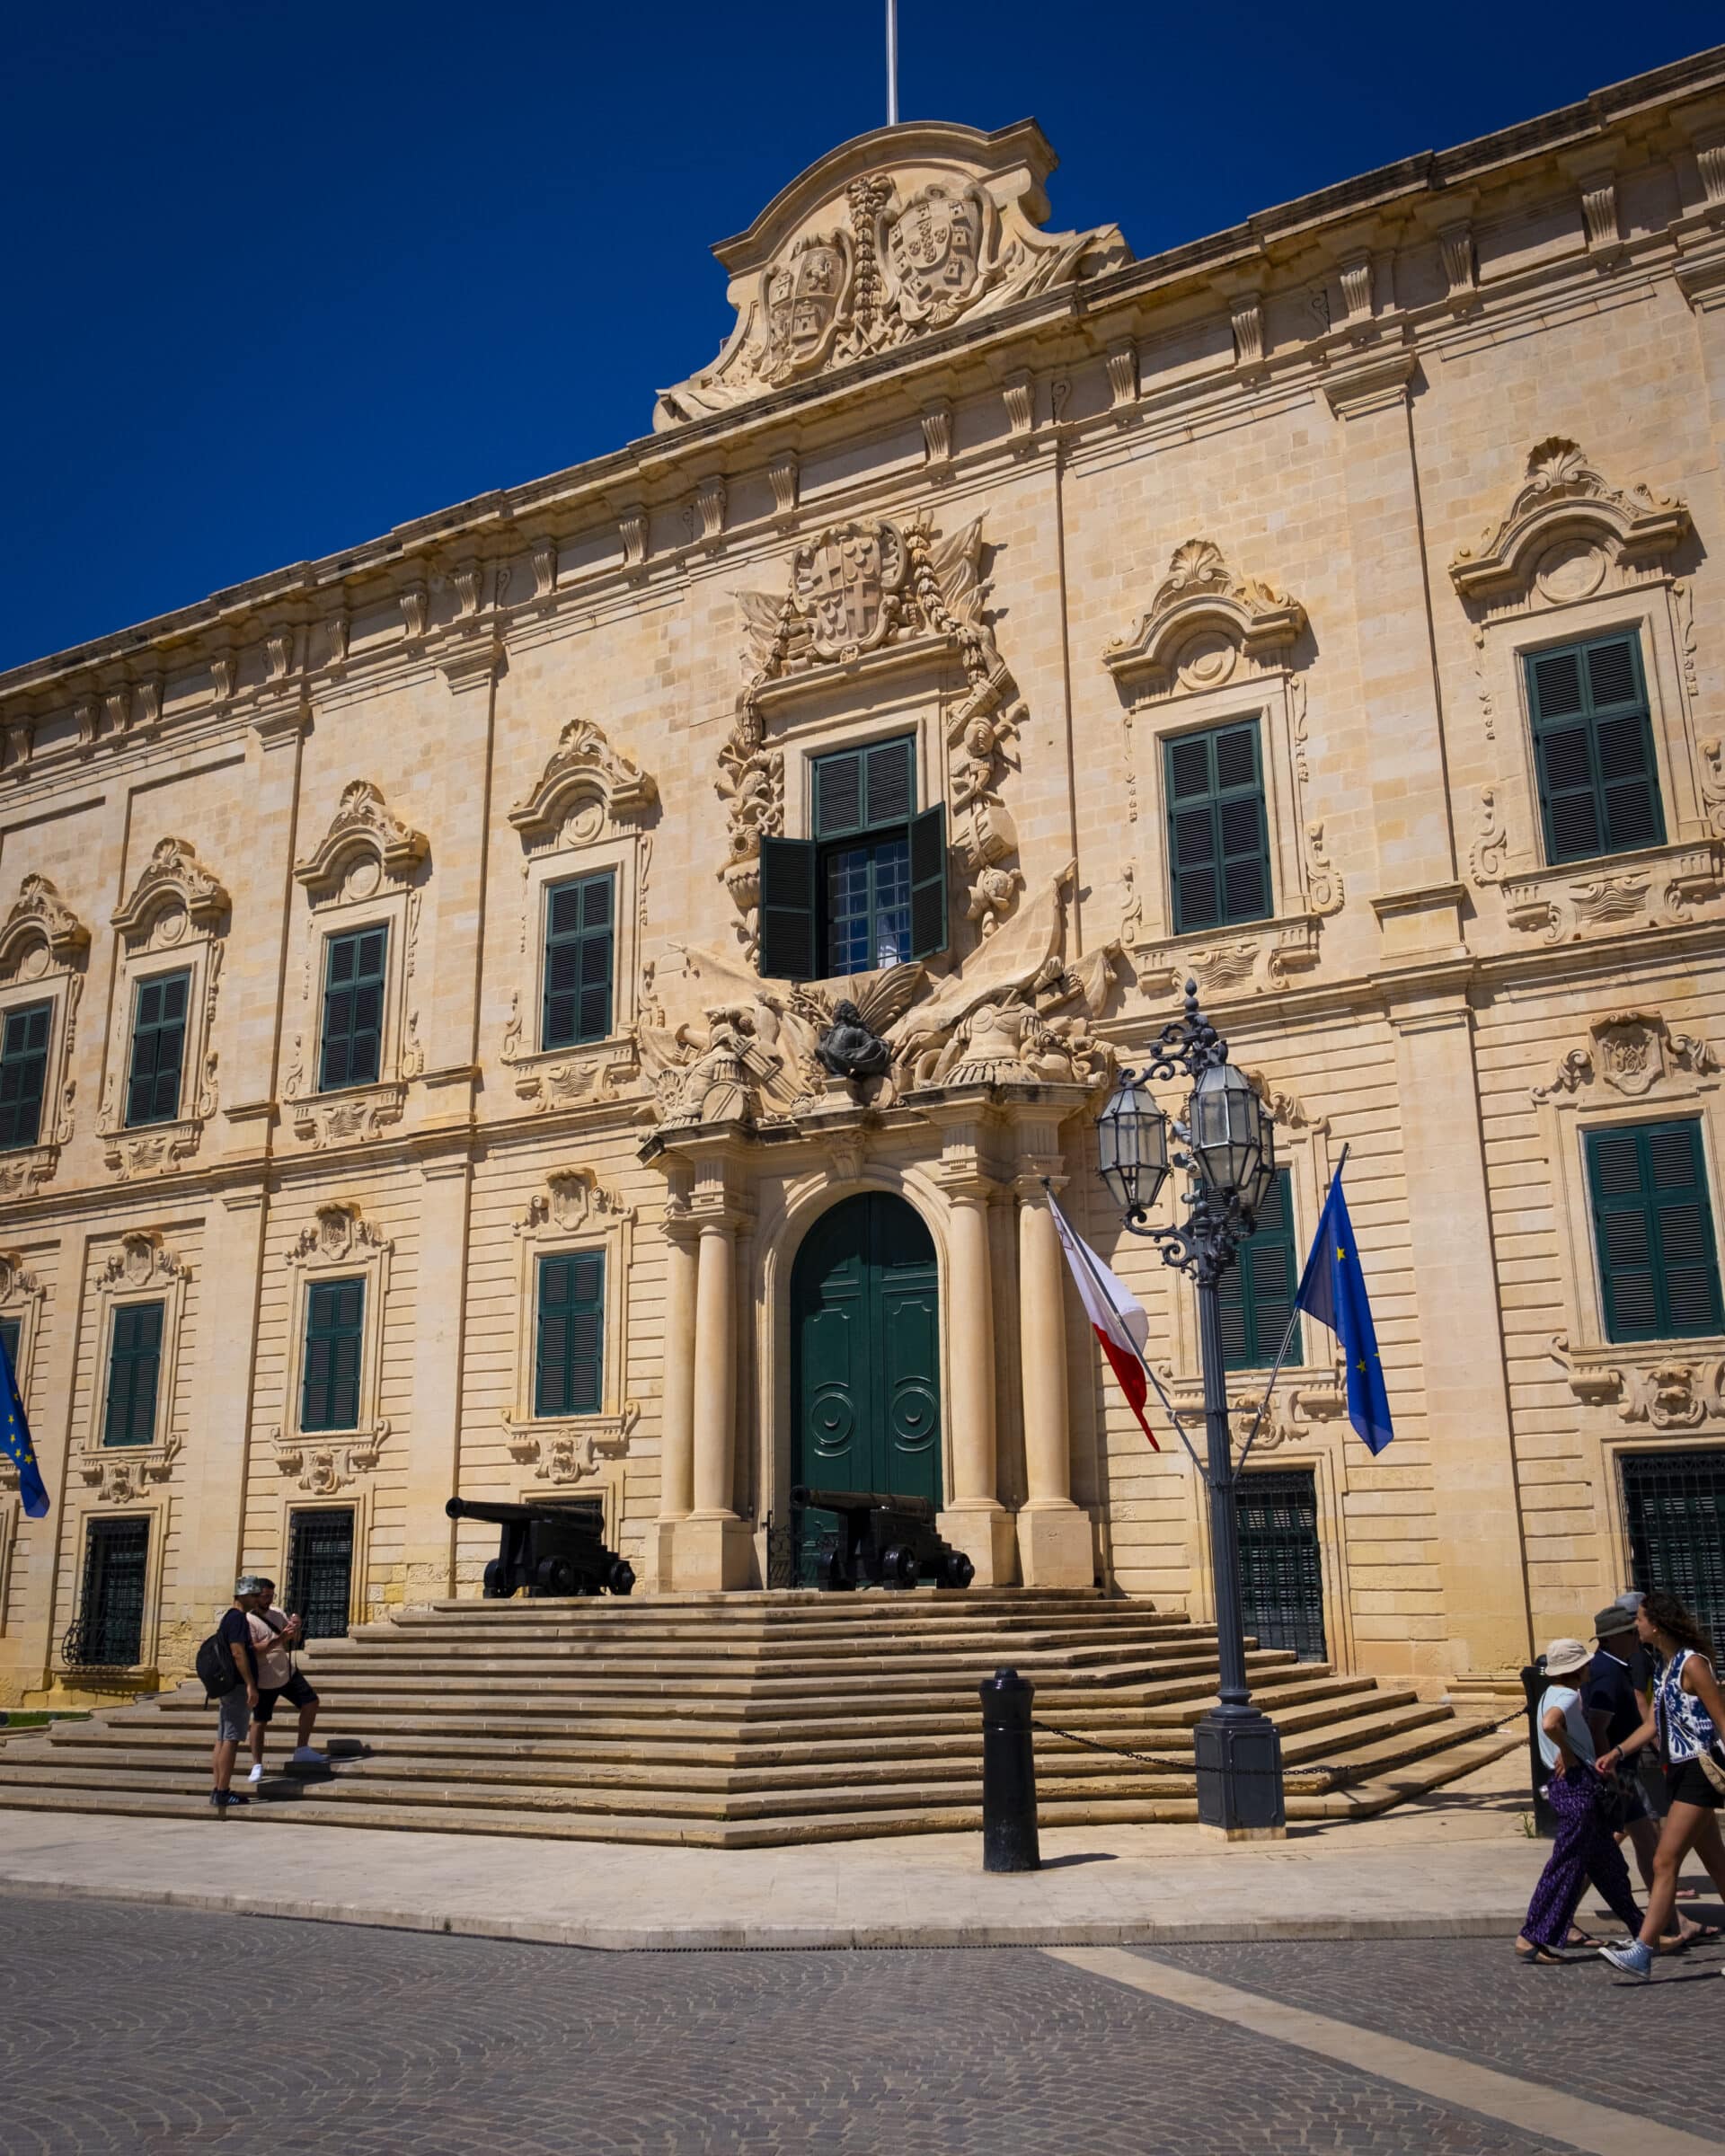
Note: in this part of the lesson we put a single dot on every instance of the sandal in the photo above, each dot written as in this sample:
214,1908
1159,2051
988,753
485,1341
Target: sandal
1579,1937
1538,1957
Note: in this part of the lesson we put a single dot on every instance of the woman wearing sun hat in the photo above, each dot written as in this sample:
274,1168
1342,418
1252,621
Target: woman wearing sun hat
1585,1848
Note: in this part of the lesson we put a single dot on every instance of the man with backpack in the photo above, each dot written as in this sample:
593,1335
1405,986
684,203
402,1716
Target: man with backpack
234,1702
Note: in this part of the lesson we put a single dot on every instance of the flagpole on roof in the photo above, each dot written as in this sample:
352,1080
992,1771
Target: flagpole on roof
1287,1338
892,63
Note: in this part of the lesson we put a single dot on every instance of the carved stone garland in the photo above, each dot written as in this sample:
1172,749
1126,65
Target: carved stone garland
862,593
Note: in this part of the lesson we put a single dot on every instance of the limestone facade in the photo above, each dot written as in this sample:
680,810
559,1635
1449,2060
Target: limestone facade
1037,509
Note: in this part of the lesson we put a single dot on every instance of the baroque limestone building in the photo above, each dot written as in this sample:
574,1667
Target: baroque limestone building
411,963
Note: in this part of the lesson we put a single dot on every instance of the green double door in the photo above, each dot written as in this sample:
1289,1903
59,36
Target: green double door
865,1374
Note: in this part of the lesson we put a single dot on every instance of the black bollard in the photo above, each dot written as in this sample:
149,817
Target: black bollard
1533,1682
1008,1775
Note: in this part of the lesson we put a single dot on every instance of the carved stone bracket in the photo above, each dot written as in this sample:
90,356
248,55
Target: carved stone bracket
1662,887
1269,955
118,1474
322,1464
345,1117
572,1197
1663,1386
571,1451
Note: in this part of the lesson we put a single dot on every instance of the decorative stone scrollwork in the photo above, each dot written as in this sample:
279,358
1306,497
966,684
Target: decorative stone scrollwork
853,259
1485,856
363,823
1632,1053
1565,527
1666,1389
570,1198
39,920
1556,905
865,593
584,765
173,881
1201,619
572,1451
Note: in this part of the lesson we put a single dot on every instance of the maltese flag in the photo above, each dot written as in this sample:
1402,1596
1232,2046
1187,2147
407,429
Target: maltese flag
1115,1313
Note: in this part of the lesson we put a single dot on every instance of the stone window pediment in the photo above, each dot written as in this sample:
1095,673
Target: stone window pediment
1565,526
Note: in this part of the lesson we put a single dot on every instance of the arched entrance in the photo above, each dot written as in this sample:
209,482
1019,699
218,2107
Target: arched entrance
865,1358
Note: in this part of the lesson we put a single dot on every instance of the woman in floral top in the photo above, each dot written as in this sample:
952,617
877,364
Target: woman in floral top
1687,1717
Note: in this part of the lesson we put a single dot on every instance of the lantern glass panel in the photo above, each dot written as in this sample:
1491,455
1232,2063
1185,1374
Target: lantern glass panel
1132,1148
1228,1129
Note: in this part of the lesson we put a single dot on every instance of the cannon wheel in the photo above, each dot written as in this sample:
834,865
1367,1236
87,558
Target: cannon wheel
899,1568
497,1586
556,1576
621,1578
956,1570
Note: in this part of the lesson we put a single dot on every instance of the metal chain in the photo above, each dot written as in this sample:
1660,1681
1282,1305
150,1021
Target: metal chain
1186,1766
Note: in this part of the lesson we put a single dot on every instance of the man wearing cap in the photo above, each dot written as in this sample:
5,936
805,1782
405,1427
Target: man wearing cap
234,1709
1584,1849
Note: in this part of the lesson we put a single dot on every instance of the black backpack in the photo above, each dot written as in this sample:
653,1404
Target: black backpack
215,1670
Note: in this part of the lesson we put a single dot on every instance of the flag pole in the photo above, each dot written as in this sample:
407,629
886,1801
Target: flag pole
892,63
1173,1412
1287,1338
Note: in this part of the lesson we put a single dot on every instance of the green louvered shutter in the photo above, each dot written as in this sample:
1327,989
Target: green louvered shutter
928,907
1593,742
24,1073
158,1049
1256,1294
569,1367
1653,1228
134,1371
353,1009
788,910
1219,839
335,1314
579,945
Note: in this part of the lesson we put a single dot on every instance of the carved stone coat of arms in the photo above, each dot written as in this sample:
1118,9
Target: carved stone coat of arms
934,251
845,585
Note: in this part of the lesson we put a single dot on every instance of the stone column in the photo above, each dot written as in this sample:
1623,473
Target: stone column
433,1435
1477,1517
974,1521
677,1398
711,1547
1053,1534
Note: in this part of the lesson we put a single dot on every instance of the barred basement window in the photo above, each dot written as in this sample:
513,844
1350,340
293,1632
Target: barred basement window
1653,1229
869,889
1593,743
158,1049
1255,1296
108,1629
134,1374
24,1073
569,1376
578,955
353,1008
335,1314
1674,1504
1218,841
320,1569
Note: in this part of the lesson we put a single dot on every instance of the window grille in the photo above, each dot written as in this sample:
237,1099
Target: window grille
108,1631
1282,1567
320,1570
1674,1505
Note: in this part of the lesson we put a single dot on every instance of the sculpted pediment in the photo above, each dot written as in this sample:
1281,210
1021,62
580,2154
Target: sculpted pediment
886,241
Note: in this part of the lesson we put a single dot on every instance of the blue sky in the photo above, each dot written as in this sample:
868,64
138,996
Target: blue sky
282,277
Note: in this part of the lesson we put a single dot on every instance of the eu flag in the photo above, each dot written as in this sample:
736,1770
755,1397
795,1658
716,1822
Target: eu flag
1333,1288
15,1442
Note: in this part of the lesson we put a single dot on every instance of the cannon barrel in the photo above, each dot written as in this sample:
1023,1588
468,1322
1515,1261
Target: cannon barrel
573,1516
859,1500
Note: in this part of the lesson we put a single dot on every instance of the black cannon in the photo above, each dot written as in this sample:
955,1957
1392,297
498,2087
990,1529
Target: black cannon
888,1542
548,1550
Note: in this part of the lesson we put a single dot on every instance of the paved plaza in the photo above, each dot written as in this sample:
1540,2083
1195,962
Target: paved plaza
129,2027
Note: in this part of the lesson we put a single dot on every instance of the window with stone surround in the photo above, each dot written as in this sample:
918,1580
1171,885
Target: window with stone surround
158,1049
1653,1231
1219,850
23,1074
134,1374
335,1342
1593,746
355,979
579,963
568,1361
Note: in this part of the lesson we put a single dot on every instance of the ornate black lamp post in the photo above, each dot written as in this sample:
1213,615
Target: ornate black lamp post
1230,1154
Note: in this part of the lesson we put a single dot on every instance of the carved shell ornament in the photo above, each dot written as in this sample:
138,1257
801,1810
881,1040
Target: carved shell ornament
885,241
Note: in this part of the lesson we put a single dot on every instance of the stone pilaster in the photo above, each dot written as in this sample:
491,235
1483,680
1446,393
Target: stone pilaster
212,1524
433,1450
1053,1534
676,1422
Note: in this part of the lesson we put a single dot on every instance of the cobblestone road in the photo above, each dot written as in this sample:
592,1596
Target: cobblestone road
127,2028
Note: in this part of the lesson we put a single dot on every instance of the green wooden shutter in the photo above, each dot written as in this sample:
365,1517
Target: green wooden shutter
864,789
788,909
1256,1294
134,1371
158,1049
24,1073
10,1333
1593,745
568,1365
928,905
579,956
1653,1229
1218,841
329,1393
353,1009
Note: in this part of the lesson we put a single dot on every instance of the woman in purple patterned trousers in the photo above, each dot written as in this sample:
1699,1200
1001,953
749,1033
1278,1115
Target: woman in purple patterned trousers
1584,1847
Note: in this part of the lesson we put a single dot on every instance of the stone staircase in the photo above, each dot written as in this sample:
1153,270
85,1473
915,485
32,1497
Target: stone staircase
752,1719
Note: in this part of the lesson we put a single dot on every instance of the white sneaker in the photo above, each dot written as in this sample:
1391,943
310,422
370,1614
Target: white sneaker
256,1775
308,1756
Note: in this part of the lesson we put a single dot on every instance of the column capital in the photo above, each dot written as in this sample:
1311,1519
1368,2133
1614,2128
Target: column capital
1380,384
1035,1170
